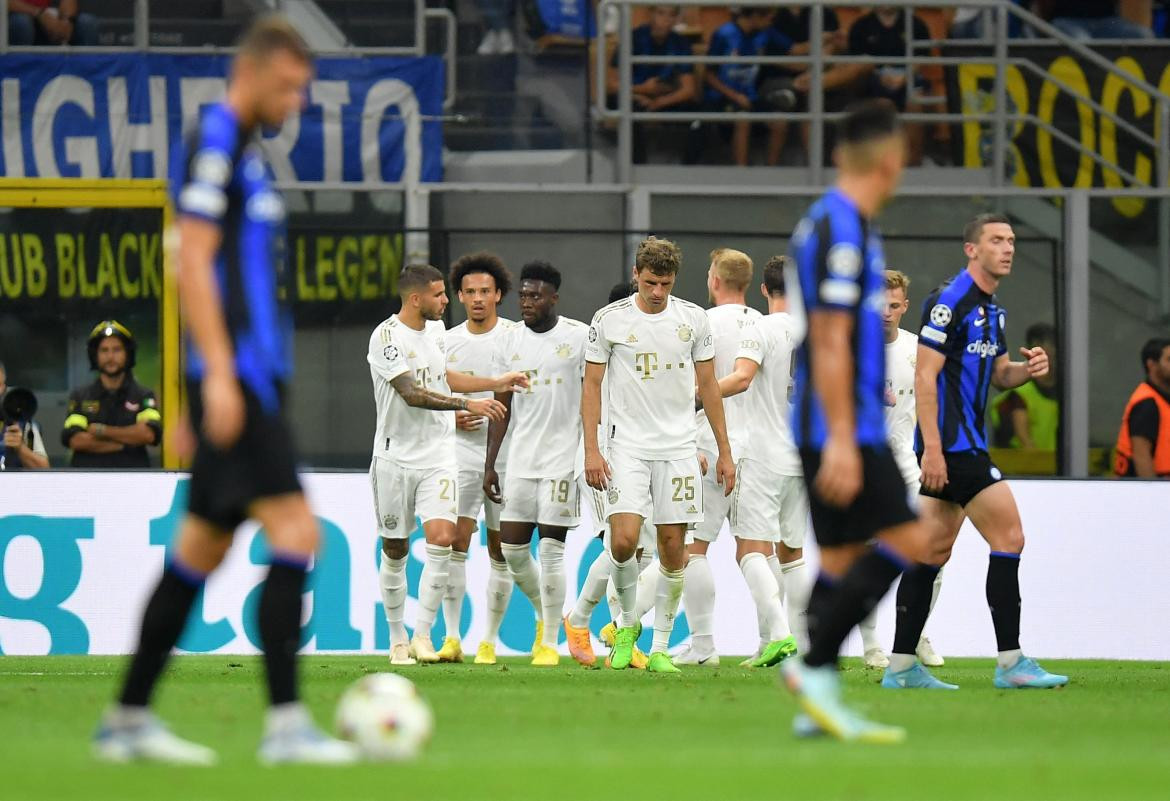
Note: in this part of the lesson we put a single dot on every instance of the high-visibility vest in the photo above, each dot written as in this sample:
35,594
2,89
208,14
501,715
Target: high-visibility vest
1123,453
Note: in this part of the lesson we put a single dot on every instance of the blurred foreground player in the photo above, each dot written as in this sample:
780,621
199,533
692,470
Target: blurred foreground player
861,517
231,223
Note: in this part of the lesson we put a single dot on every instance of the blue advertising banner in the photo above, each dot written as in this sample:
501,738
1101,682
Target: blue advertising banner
117,116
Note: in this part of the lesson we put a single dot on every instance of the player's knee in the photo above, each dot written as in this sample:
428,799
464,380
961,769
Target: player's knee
397,549
1013,540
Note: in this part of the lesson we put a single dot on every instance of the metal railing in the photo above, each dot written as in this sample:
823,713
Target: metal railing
817,59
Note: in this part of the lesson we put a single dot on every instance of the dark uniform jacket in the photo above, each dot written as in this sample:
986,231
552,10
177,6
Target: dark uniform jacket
129,404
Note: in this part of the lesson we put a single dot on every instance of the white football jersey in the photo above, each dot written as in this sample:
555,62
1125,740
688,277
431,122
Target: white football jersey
650,362
772,343
728,323
408,436
901,414
546,418
472,354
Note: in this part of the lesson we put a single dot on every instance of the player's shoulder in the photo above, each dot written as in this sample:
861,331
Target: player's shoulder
435,328
685,307
618,308
455,332
906,339
384,331
216,128
574,325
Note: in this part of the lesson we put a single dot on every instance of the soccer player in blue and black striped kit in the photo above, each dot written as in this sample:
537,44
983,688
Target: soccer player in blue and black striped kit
962,350
231,226
861,515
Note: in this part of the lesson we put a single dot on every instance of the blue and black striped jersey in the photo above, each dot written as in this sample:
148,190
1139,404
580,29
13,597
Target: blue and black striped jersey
966,325
839,266
219,175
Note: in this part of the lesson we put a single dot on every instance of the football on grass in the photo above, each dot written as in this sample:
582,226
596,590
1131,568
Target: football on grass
384,715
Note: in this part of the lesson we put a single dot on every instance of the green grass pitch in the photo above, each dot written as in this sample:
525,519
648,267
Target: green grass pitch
515,732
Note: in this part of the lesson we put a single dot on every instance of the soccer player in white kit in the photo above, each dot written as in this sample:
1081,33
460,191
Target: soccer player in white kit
728,279
482,281
769,509
541,487
656,348
413,471
901,420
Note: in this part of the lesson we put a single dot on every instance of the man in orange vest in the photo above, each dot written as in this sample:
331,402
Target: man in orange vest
1143,445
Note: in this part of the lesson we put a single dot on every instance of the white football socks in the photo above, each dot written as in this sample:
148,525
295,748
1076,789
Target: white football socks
1008,659
524,571
453,597
699,600
625,585
499,593
431,587
392,582
552,587
794,583
868,630
647,588
591,591
668,595
766,595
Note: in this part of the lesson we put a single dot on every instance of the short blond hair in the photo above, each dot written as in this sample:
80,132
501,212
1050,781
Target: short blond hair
896,279
659,256
734,267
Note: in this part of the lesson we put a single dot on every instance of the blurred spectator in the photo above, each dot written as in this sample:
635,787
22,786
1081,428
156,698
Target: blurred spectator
1143,444
1028,417
1098,19
37,22
656,87
114,419
794,24
733,87
880,33
497,18
23,447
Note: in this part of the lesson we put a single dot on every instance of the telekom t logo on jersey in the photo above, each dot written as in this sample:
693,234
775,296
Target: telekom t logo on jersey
646,363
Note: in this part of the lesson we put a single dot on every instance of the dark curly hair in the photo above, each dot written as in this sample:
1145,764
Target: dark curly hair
541,271
482,262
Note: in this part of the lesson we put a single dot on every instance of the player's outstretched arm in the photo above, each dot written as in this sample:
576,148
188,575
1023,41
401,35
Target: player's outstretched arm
709,394
465,382
597,472
740,378
829,334
934,466
495,438
422,398
1009,375
202,308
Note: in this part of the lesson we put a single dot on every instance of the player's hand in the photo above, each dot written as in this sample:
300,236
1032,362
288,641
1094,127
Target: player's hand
703,465
223,409
597,472
511,382
934,470
1036,361
13,438
839,479
725,473
466,421
490,408
491,486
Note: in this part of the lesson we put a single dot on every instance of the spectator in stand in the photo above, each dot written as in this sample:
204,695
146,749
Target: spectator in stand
1143,444
498,16
1028,417
38,22
22,446
732,87
656,87
1099,19
794,24
881,33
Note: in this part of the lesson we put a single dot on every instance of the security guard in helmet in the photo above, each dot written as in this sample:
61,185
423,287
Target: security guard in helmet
113,420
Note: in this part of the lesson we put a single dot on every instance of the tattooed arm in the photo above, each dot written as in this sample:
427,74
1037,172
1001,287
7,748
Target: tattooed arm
423,398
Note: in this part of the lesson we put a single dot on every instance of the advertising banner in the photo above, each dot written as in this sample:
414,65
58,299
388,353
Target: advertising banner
1035,156
80,553
119,115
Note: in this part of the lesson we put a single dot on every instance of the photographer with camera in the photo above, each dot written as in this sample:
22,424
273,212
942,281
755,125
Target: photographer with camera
22,448
113,420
